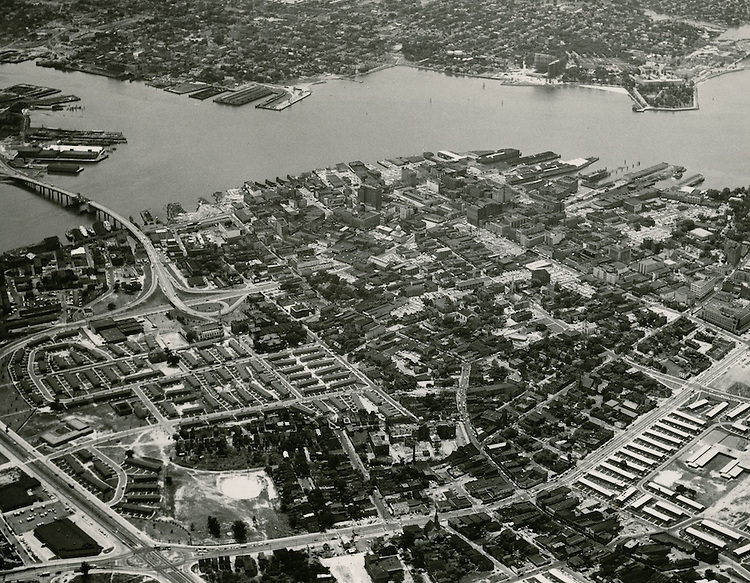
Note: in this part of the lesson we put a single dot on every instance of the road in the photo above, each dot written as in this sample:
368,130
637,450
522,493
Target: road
461,405
130,542
160,276
118,528
122,477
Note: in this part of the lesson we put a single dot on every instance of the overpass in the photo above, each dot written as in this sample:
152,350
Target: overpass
71,199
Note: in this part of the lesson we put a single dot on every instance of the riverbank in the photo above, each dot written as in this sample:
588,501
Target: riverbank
302,88
184,149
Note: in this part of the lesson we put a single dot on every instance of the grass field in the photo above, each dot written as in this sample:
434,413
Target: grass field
102,417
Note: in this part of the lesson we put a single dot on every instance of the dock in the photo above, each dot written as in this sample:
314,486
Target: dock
75,137
246,95
285,99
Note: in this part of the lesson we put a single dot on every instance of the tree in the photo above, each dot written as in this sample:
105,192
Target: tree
214,527
239,530
85,569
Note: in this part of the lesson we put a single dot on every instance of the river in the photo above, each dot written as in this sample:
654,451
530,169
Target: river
180,149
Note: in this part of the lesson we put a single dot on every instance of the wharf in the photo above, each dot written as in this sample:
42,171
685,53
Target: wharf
246,95
25,92
285,99
207,93
53,100
76,137
637,175
182,88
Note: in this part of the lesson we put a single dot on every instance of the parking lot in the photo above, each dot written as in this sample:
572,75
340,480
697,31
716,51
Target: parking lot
27,519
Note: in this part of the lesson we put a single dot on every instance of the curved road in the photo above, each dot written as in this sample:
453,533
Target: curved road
159,274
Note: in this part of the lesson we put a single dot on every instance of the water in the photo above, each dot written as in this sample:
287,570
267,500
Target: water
180,149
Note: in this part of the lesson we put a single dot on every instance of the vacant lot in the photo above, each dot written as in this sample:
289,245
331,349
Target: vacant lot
242,495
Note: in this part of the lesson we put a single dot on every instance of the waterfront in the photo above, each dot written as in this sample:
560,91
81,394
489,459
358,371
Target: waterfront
180,149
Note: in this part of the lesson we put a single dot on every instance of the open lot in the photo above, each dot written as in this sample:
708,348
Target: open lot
348,568
100,577
152,442
229,496
736,380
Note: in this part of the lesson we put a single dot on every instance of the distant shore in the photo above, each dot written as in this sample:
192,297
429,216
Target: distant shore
301,88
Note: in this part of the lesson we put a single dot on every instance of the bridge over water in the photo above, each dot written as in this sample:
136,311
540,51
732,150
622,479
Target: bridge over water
69,199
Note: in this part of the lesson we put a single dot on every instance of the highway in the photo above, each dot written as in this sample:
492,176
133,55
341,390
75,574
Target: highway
160,276
118,528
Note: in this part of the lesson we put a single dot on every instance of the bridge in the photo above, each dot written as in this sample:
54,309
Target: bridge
68,199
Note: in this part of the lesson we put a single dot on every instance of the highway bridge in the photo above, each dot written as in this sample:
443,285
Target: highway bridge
71,199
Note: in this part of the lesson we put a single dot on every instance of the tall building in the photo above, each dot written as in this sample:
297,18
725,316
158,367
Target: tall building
408,176
733,251
620,253
502,193
371,195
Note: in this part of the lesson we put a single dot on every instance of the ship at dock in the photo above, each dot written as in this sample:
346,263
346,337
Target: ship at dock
64,168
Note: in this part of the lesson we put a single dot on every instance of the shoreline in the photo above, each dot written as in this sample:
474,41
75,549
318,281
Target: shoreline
716,74
508,79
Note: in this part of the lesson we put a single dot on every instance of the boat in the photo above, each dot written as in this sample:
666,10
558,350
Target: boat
64,168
